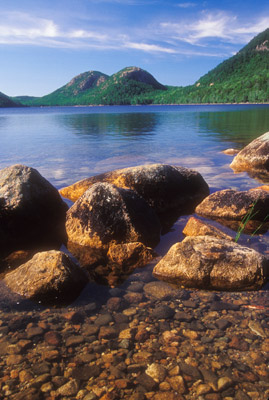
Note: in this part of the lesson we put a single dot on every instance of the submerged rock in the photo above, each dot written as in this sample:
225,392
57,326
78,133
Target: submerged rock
50,276
230,205
164,187
32,214
196,227
210,263
106,216
130,255
254,157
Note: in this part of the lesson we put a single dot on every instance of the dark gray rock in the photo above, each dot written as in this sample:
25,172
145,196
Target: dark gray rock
32,213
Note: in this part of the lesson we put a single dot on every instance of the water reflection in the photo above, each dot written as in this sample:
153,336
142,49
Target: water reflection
239,127
98,125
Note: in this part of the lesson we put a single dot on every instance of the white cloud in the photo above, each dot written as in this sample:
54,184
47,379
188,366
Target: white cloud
149,48
213,26
186,5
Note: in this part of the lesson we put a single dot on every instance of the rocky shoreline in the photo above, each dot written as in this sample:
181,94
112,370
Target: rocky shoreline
143,340
136,338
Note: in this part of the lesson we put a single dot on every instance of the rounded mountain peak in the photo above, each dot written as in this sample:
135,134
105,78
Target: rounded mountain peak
139,75
86,80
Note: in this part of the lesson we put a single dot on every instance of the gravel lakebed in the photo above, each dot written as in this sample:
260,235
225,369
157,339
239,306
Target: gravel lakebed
142,340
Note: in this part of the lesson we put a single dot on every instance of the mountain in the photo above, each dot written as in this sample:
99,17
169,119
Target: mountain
94,87
241,78
6,101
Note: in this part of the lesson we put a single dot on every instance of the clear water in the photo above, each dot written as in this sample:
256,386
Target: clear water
66,144
70,143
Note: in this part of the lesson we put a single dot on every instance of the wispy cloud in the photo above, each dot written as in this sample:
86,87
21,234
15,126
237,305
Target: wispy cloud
186,5
219,25
185,37
149,48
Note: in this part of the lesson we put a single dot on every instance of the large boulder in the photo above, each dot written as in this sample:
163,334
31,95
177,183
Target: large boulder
230,207
166,188
254,158
209,263
32,213
107,215
50,276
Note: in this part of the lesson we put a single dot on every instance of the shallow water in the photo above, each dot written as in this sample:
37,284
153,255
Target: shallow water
67,144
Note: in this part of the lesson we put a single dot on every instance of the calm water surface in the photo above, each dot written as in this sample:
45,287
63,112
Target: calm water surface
67,144
70,143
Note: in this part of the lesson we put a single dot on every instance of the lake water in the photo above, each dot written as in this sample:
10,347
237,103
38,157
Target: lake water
67,144
100,346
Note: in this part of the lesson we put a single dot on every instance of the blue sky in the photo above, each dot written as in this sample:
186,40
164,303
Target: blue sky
44,44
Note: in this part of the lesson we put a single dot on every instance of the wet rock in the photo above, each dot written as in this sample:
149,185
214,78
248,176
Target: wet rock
74,340
207,262
196,227
32,213
162,311
156,372
103,319
106,215
68,389
50,276
147,382
255,156
164,187
130,255
159,290
228,206
224,383
230,152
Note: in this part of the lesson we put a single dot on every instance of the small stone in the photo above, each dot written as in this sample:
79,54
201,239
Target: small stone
25,376
14,359
53,338
107,332
190,334
103,319
203,389
183,316
147,382
156,372
129,311
34,331
115,304
162,312
46,387
238,343
142,357
74,340
159,290
133,297
69,389
75,317
223,324
224,383
126,334
177,383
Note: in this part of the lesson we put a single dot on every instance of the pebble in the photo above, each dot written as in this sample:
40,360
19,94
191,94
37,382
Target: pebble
141,341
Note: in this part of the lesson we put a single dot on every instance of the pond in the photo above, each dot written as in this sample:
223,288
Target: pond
198,344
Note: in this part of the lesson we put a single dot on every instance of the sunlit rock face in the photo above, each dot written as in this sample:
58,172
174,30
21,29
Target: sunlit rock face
254,158
32,213
230,207
50,276
164,187
197,227
106,216
210,263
